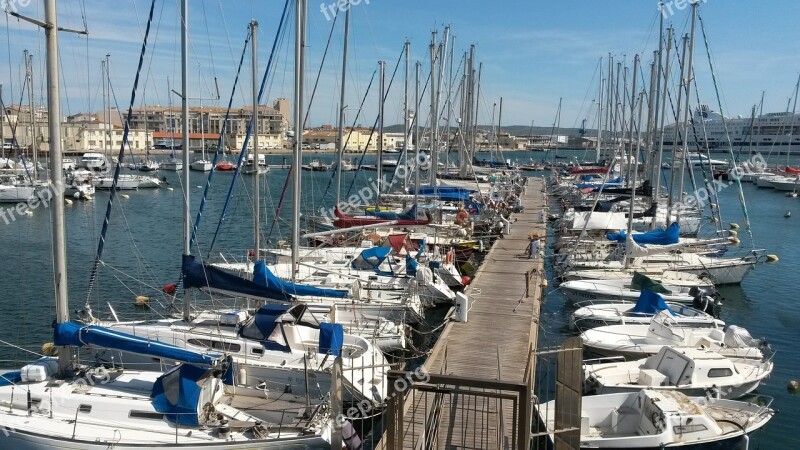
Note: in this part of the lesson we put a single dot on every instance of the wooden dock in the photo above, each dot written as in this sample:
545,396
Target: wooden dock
491,352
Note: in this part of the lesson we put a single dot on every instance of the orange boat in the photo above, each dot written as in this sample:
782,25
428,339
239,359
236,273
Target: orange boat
225,166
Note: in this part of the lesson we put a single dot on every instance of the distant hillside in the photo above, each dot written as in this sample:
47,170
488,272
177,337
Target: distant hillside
516,130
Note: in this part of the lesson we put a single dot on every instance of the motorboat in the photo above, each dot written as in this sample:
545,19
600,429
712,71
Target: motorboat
96,162
694,372
225,166
148,166
172,165
316,166
654,420
596,314
638,341
201,165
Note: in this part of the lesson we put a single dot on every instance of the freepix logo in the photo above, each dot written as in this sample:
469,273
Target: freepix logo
13,5
670,8
333,9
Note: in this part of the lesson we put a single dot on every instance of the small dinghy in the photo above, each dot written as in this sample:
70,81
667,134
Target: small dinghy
639,341
597,314
651,419
690,371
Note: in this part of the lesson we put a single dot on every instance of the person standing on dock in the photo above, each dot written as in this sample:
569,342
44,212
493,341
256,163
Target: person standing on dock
533,246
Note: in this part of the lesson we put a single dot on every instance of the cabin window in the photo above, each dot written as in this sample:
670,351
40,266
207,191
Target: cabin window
216,345
85,409
718,373
145,415
251,331
257,351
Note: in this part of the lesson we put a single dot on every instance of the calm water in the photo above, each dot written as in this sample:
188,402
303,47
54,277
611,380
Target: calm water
144,245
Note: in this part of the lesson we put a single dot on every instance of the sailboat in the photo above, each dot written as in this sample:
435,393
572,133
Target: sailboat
56,402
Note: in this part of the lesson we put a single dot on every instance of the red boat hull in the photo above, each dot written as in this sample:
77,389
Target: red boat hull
345,221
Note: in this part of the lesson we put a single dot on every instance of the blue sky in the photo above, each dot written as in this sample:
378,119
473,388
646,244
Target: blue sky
533,52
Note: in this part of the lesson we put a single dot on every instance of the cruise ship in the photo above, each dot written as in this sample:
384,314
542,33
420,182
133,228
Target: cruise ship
766,133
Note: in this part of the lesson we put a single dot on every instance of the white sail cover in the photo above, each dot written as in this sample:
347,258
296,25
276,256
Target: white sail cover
595,220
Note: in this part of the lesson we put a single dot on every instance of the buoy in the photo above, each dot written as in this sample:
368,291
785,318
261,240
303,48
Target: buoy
141,300
170,189
28,212
734,226
787,214
733,233
126,196
793,384
772,258
49,349
791,194
734,240
68,202
544,283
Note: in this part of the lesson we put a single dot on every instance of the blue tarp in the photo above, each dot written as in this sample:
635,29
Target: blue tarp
447,193
610,183
371,258
266,320
262,276
176,394
73,334
331,338
671,235
10,378
650,303
197,275
411,266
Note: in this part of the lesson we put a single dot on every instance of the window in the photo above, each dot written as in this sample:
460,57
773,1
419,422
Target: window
718,373
216,345
85,408
251,331
257,351
146,415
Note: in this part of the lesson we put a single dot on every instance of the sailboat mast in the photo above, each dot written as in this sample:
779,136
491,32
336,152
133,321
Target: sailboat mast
433,129
660,126
406,130
688,92
32,107
381,94
599,113
299,70
416,132
187,227
340,133
675,161
256,172
57,203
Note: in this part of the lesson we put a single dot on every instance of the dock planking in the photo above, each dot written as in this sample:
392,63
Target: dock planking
494,344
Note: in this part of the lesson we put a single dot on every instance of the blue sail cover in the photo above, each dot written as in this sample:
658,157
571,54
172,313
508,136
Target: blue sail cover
73,334
177,393
197,275
9,378
671,235
371,258
331,338
262,276
411,265
610,183
650,303
447,193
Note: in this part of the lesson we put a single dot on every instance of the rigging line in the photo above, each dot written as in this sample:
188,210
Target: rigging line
223,127
118,168
727,132
347,140
319,72
267,70
375,124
